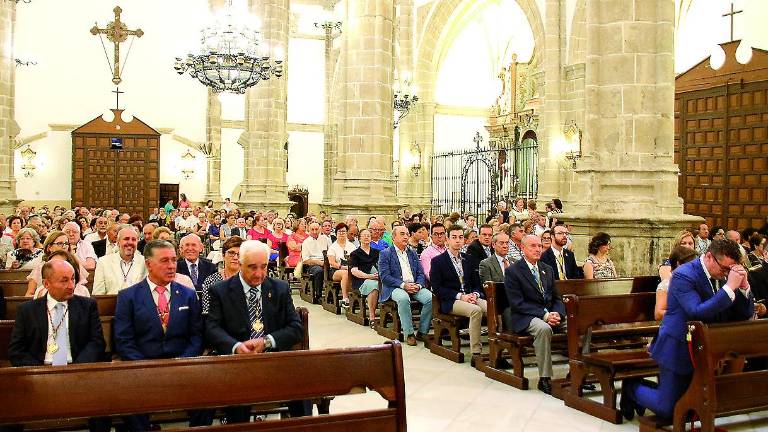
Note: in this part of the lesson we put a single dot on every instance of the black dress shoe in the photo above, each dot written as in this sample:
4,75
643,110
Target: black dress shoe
545,385
627,406
503,364
589,387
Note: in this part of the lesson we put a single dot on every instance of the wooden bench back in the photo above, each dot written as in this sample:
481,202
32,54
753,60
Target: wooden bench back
12,288
715,342
162,385
106,304
607,286
6,328
13,275
585,312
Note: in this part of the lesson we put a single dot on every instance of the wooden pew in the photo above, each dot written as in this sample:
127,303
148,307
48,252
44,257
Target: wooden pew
358,307
293,375
13,275
11,288
6,327
389,321
519,345
283,271
447,325
720,387
613,320
331,296
106,304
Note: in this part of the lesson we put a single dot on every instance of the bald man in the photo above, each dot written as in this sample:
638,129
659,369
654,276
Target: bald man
535,305
123,269
190,264
82,249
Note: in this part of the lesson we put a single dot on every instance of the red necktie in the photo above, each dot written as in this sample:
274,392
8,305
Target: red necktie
162,306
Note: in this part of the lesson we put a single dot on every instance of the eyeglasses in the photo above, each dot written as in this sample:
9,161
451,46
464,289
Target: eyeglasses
560,233
60,244
232,253
438,234
722,267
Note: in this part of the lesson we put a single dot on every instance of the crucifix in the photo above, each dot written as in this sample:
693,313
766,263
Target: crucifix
117,93
731,14
478,139
117,32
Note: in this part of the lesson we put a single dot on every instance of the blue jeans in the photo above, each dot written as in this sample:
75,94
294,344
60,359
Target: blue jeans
403,300
660,400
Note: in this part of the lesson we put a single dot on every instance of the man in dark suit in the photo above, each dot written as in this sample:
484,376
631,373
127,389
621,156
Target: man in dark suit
457,286
492,269
251,313
198,269
239,229
480,248
58,328
109,243
158,319
536,307
698,291
562,260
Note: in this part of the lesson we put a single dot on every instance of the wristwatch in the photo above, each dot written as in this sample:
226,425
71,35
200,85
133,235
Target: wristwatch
267,343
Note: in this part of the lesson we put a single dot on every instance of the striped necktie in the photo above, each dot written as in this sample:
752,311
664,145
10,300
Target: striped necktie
254,314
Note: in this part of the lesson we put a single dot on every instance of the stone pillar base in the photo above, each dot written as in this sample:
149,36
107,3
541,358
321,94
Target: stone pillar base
282,207
340,210
638,245
8,206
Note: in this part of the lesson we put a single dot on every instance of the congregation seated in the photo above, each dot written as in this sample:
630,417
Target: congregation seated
230,250
536,307
295,240
65,255
598,264
192,265
27,254
562,260
118,271
455,282
82,249
402,280
56,241
365,275
338,260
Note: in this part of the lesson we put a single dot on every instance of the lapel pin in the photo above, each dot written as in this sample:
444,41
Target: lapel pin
269,295
177,291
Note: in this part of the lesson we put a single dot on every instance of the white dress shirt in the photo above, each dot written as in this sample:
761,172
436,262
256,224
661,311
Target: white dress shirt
405,266
51,304
85,251
156,296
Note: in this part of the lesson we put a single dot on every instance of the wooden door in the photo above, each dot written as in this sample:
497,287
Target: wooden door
169,191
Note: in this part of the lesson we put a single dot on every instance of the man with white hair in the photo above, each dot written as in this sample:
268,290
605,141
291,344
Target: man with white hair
123,269
190,264
82,249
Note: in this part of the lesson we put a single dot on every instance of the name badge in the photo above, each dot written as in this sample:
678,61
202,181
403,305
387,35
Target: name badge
183,308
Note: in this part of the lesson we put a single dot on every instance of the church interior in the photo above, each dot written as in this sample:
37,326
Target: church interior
627,123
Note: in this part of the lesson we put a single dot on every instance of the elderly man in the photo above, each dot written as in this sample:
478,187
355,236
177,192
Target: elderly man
198,269
121,270
108,245
100,230
146,327
312,256
82,249
251,313
376,228
535,305
147,231
239,229
516,234
402,280
492,269
702,240
58,328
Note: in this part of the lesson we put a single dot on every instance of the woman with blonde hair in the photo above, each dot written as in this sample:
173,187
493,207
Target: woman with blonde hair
55,241
683,238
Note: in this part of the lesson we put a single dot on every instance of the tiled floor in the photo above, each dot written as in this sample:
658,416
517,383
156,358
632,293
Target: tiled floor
446,396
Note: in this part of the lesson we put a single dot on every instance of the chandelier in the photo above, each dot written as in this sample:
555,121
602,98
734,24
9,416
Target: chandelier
232,56
405,97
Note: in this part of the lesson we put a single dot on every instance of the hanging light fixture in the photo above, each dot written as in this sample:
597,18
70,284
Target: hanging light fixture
232,56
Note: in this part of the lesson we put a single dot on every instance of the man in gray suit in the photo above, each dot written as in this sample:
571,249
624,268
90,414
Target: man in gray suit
492,269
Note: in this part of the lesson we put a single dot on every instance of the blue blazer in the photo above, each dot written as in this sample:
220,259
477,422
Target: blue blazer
445,281
525,299
139,334
690,298
392,275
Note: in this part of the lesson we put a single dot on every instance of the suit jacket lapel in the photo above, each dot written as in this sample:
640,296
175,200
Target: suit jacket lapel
41,316
75,314
148,303
497,268
237,295
173,307
526,271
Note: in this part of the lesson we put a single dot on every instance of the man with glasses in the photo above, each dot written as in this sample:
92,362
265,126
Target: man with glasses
562,260
713,288
436,248
377,232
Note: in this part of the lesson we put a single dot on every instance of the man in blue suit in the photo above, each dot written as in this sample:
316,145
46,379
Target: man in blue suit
402,278
536,307
456,284
698,291
157,318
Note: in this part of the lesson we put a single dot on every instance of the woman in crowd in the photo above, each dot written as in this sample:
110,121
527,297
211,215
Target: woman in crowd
56,241
259,231
683,238
183,202
209,206
338,256
546,240
717,233
162,233
599,265
757,256
27,254
277,236
231,252
80,288
295,241
365,276
519,211
14,225
681,254
532,213
214,229
85,227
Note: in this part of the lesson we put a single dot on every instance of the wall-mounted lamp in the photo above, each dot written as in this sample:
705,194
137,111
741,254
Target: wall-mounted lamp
28,155
21,1
187,170
572,135
23,62
416,152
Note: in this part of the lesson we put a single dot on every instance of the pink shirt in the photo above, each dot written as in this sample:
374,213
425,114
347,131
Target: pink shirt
426,257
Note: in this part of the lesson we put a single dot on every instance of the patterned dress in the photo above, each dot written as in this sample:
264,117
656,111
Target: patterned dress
602,270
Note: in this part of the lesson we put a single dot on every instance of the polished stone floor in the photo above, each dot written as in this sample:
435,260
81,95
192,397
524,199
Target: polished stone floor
446,396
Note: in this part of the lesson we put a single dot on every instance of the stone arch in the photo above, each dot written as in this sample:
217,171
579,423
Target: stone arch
577,47
430,40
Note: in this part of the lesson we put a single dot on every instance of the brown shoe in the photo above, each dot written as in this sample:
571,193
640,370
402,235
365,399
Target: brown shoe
411,340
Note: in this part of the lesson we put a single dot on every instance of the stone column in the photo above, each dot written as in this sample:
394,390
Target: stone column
329,129
264,184
363,184
626,182
8,127
213,139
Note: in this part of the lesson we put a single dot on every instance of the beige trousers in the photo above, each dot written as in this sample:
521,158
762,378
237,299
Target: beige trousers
475,313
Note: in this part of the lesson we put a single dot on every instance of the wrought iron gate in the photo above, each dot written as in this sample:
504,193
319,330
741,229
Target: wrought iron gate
473,181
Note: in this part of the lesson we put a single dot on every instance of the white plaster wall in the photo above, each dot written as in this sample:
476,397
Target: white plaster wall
52,179
454,132
305,166
306,81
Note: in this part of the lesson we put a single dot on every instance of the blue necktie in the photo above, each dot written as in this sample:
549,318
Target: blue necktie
193,273
254,314
59,358
535,272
